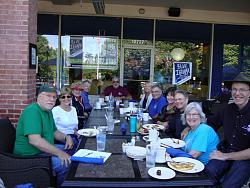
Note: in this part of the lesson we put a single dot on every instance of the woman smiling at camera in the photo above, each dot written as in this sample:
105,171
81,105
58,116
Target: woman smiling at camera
65,116
201,139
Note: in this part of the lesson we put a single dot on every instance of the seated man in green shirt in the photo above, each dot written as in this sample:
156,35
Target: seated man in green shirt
36,131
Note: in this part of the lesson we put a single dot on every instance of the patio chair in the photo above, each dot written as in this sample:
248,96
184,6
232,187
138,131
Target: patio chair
16,169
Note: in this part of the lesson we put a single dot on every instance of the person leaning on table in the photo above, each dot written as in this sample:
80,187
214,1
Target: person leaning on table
231,165
201,139
36,131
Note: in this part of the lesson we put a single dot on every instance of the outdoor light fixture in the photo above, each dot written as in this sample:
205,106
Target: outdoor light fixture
141,11
178,54
99,6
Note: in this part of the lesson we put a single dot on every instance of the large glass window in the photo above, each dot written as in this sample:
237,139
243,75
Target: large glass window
88,57
197,53
47,46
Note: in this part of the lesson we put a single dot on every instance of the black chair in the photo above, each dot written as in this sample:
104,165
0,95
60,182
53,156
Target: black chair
16,169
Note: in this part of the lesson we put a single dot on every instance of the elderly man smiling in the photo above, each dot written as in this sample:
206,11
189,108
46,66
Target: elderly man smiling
36,131
157,103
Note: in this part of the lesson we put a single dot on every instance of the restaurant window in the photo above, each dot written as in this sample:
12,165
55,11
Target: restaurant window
236,59
90,57
196,53
47,46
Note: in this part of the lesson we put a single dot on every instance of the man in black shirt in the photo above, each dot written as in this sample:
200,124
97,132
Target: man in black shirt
231,165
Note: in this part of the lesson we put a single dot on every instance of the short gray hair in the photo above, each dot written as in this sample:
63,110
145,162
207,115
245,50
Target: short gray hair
197,107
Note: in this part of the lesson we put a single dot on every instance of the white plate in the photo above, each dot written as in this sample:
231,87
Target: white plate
166,173
198,166
136,152
145,138
150,126
172,142
87,132
117,121
142,132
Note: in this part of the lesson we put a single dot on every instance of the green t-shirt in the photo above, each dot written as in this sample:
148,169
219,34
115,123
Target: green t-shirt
33,120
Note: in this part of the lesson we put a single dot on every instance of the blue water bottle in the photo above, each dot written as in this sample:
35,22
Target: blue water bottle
132,123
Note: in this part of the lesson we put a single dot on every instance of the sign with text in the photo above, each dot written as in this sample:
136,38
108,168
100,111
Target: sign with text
92,53
182,72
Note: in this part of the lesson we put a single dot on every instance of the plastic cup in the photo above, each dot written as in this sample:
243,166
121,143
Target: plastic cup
101,138
145,116
110,125
150,156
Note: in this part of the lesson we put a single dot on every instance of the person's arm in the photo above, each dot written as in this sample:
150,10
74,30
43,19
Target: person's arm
62,137
240,155
37,141
194,153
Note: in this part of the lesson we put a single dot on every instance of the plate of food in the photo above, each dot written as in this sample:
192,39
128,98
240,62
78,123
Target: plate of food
87,132
162,173
186,165
155,126
172,142
143,131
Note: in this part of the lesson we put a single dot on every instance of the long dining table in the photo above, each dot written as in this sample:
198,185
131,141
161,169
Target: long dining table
120,170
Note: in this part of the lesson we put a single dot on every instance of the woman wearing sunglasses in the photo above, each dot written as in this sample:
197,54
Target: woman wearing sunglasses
65,116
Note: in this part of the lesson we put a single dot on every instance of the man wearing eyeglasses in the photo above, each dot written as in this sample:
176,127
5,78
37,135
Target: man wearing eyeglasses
36,131
231,164
117,91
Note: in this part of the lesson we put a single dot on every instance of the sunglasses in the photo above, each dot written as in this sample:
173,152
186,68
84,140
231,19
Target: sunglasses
64,97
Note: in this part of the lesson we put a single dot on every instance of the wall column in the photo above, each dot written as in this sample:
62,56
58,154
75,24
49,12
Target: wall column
18,28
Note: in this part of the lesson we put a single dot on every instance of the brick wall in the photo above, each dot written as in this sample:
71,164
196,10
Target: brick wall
18,28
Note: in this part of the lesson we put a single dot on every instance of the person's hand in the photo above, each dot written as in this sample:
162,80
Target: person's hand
68,142
184,132
218,155
65,158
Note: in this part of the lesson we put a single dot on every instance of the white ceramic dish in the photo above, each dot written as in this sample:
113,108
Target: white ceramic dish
87,132
198,166
166,173
172,142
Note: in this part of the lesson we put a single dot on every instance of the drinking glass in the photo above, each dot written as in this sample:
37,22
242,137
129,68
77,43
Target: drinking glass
101,138
150,156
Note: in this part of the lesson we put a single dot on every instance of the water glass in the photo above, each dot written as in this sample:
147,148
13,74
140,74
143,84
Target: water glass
110,125
101,138
150,156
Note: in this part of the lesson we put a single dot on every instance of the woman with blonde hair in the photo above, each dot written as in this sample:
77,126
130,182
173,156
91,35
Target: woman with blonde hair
65,116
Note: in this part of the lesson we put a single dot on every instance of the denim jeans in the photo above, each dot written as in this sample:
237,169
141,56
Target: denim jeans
229,173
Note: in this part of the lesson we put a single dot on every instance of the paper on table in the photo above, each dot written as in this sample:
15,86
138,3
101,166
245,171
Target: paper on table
90,156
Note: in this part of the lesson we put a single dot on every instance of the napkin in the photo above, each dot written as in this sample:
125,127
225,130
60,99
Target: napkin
90,156
177,153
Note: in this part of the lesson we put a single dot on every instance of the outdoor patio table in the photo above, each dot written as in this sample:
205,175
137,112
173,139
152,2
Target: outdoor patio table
120,170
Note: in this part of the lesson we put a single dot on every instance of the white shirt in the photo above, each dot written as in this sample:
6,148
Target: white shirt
65,121
148,100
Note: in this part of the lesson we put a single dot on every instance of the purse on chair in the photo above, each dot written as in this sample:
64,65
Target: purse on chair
16,169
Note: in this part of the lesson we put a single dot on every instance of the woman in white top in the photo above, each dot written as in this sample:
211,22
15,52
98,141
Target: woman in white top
146,96
65,116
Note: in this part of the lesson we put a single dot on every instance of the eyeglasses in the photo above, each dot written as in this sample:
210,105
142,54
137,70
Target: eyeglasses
234,90
63,97
192,115
115,81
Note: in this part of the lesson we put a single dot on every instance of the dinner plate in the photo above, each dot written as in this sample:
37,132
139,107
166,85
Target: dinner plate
166,173
142,132
198,166
87,132
150,126
172,142
136,152
145,138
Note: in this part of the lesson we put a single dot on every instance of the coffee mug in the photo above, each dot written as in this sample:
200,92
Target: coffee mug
153,135
145,116
98,105
101,100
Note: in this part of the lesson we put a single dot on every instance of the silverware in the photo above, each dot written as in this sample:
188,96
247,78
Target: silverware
87,154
